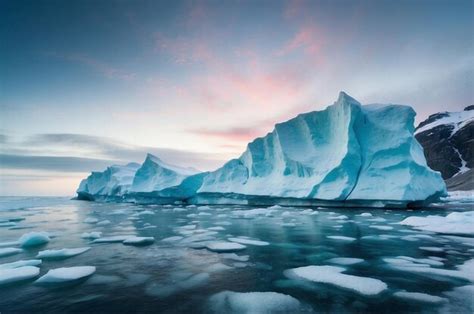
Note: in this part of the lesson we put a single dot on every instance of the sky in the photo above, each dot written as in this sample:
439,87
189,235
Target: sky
85,84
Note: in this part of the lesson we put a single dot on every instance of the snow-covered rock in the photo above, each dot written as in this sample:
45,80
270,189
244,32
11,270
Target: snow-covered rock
115,180
155,175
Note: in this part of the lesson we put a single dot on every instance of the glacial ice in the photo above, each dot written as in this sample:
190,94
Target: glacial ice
453,223
32,239
347,153
66,274
249,241
62,253
11,275
253,303
333,275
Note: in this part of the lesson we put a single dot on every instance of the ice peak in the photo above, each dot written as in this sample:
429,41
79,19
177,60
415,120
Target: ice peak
346,99
153,158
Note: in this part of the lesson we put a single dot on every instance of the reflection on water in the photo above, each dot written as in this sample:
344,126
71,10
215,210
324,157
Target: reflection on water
177,273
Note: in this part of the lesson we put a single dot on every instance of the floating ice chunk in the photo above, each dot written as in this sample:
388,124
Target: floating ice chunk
112,239
218,228
172,239
66,274
378,219
333,275
11,275
454,223
139,240
235,257
366,215
195,281
225,246
8,244
431,248
340,217
146,212
91,220
419,297
7,224
17,264
249,241
103,222
179,209
406,260
341,238
253,213
205,207
381,227
460,300
9,251
345,260
63,253
204,214
286,214
34,239
253,303
91,235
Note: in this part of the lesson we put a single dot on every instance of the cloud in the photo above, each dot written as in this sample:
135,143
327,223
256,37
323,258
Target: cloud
232,134
53,163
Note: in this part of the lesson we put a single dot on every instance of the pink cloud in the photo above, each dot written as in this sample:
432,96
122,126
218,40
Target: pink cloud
308,39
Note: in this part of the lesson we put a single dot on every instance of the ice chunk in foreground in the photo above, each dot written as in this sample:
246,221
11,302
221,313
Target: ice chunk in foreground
253,303
419,297
249,241
62,253
333,275
139,240
9,251
32,239
10,275
225,246
66,274
454,223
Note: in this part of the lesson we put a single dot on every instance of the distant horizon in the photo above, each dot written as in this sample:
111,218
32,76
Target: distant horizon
96,83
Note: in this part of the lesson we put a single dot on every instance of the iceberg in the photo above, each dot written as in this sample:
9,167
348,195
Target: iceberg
115,180
345,155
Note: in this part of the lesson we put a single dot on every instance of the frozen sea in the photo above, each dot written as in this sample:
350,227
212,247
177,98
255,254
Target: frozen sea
313,260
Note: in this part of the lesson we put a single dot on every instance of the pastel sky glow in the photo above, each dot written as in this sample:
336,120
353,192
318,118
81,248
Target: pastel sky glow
85,84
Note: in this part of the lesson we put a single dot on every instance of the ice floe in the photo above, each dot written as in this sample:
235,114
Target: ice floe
11,275
139,240
112,239
333,275
32,239
91,235
253,302
345,260
341,238
419,297
249,241
453,223
225,246
66,274
62,253
21,263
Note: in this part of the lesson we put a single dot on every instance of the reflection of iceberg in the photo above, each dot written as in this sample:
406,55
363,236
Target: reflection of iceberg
347,154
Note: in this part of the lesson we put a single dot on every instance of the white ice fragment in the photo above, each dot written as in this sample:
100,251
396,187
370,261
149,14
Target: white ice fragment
249,241
112,239
172,239
66,274
17,264
381,227
9,251
345,260
62,253
419,297
333,275
91,235
453,223
11,275
366,215
253,303
225,246
103,222
91,220
341,238
139,240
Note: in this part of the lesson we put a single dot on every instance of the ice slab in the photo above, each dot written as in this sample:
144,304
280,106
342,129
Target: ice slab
139,240
62,253
91,235
112,239
419,297
9,251
333,275
341,238
11,275
249,241
453,223
66,274
225,246
253,303
345,260
17,264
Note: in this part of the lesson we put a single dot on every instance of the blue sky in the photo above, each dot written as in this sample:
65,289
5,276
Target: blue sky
88,83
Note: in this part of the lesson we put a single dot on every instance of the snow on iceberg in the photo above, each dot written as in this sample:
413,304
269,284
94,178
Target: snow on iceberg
253,302
333,275
454,223
66,275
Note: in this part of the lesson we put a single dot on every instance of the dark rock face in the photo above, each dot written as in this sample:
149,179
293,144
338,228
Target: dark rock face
449,148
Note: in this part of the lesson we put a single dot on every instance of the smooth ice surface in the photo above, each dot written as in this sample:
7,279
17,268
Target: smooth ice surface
341,238
345,260
62,253
9,251
225,246
11,275
419,297
249,241
91,235
253,303
453,223
32,239
112,239
66,274
17,264
333,275
139,240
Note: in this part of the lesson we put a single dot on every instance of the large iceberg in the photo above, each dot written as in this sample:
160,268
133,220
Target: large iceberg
347,154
